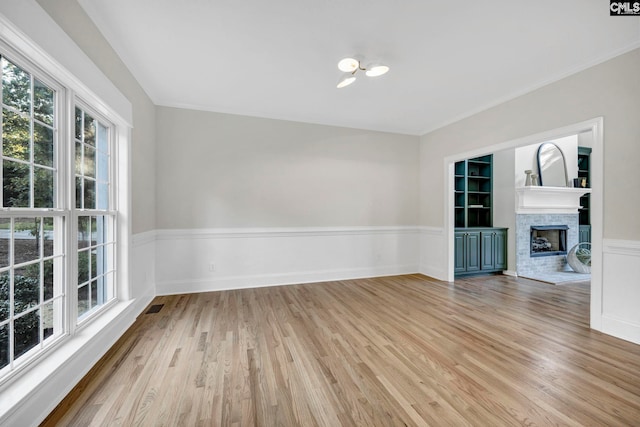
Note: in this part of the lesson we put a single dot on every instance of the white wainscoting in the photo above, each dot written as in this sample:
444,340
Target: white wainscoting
433,252
218,259
143,264
621,289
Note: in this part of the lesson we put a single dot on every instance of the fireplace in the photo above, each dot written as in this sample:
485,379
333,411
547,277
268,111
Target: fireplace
548,240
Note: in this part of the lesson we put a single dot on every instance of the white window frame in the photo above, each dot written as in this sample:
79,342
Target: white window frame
71,90
75,321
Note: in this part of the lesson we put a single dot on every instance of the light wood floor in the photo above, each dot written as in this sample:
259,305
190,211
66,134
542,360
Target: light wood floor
395,351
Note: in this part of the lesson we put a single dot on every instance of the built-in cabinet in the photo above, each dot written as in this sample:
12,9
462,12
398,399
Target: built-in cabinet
584,180
473,192
480,250
479,247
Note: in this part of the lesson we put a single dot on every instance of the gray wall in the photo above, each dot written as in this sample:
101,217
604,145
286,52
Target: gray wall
610,89
74,21
222,170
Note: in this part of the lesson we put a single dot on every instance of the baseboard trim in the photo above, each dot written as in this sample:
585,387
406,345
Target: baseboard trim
621,329
266,280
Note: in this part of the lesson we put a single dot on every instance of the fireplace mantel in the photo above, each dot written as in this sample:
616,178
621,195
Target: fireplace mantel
548,200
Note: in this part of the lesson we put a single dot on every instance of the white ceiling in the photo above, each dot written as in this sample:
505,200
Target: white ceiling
277,58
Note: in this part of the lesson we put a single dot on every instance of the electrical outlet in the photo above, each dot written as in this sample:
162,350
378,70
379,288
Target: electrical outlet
212,267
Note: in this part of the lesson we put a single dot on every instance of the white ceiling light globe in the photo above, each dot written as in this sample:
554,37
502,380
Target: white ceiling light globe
377,70
346,80
348,65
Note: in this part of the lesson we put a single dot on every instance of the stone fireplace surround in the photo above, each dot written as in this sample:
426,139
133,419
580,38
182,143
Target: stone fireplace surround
545,206
528,265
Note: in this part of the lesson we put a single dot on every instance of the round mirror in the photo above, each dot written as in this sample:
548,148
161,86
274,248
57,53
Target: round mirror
552,167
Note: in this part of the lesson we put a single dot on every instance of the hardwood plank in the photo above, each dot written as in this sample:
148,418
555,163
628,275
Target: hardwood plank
402,350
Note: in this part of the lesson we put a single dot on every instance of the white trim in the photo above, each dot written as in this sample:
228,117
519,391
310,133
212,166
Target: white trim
621,247
433,231
197,260
29,401
595,126
431,254
621,328
28,30
621,317
32,32
283,279
144,238
230,233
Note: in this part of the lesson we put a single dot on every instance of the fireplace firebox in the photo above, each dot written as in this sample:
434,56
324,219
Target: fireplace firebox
548,240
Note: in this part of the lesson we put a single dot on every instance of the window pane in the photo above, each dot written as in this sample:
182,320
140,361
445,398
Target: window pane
4,296
83,232
16,136
94,293
78,124
89,162
47,319
47,236
16,86
78,158
26,243
78,192
16,185
83,267
26,288
102,166
94,266
102,222
103,196
42,145
4,346
48,279
89,130
89,194
83,300
103,138
26,333
5,234
42,188
42,102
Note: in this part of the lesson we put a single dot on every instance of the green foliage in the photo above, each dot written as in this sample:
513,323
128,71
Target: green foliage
27,333
21,133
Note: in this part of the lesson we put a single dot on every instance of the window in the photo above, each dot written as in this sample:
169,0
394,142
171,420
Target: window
57,219
95,222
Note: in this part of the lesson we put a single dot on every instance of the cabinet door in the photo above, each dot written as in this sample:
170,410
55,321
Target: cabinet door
584,234
460,253
473,251
488,250
500,249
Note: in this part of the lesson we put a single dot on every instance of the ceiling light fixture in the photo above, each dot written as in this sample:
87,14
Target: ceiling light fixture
351,66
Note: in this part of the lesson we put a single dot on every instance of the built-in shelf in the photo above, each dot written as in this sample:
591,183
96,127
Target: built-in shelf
546,200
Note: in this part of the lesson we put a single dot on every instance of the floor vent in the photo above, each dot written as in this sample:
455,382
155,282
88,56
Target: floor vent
154,308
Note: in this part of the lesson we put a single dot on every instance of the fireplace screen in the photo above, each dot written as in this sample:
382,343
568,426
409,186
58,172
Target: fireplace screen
547,240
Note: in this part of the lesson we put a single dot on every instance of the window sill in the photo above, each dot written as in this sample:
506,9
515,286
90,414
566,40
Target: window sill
49,379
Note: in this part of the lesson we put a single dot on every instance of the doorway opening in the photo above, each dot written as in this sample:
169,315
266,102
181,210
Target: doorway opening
591,129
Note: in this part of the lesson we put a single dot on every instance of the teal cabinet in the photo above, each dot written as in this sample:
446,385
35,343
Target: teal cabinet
500,249
480,250
584,234
473,192
460,251
474,254
584,179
